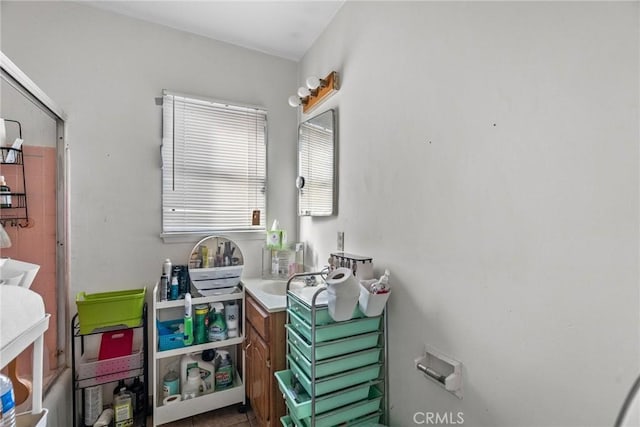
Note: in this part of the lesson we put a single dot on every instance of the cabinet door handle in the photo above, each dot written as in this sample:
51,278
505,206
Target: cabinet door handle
247,347
268,363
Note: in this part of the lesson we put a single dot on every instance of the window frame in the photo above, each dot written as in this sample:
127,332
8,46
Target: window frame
236,234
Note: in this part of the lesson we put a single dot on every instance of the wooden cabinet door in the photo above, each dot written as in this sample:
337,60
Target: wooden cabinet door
261,377
248,360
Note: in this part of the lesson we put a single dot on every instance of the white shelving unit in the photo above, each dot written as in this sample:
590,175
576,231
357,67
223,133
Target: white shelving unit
169,310
9,351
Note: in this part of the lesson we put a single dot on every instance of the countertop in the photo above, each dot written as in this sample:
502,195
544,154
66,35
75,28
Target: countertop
271,303
274,303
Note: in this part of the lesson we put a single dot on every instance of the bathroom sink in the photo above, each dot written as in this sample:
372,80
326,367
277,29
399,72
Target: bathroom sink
274,288
17,273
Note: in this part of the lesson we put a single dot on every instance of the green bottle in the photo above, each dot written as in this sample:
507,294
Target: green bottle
218,327
224,370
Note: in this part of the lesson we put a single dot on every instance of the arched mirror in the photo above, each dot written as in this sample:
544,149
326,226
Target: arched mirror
215,264
316,180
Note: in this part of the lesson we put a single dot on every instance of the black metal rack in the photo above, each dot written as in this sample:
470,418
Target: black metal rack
112,376
16,215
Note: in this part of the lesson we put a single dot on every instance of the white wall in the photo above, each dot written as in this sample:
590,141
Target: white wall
105,71
489,158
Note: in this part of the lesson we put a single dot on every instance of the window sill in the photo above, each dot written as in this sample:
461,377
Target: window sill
195,237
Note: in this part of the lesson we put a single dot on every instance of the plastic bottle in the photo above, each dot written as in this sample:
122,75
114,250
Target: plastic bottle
5,194
188,320
218,327
123,408
164,287
207,372
174,288
193,385
119,387
166,267
137,388
231,314
224,370
187,363
8,400
382,285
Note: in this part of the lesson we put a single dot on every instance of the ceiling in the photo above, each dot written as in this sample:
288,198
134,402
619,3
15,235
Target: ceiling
282,28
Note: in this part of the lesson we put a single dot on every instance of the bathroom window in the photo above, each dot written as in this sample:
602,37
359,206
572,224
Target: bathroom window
213,166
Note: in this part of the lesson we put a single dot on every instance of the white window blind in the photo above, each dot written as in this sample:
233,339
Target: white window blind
316,166
213,165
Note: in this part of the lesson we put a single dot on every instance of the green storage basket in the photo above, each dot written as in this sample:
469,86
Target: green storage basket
326,350
335,382
337,364
323,317
336,330
108,310
300,405
362,413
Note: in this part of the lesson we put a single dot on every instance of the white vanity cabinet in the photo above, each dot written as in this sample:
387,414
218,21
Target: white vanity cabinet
166,359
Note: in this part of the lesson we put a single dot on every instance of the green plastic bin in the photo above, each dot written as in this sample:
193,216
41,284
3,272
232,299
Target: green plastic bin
356,414
335,382
334,331
337,364
106,310
301,404
323,317
328,349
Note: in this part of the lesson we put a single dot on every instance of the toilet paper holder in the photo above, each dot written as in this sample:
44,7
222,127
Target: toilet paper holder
441,369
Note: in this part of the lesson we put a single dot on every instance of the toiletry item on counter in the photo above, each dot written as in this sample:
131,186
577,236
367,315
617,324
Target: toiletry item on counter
231,315
123,408
5,194
188,320
217,326
276,237
224,370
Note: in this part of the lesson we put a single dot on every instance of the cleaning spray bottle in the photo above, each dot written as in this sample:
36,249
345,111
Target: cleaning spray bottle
217,326
188,320
224,370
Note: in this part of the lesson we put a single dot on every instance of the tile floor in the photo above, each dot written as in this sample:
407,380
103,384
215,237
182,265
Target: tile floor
224,417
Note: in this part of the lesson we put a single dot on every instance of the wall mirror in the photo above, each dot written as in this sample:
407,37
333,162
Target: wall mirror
215,265
316,180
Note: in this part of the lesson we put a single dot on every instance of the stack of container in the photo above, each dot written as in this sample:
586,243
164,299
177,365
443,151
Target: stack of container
335,369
